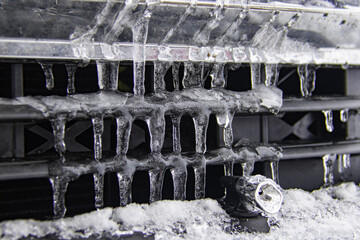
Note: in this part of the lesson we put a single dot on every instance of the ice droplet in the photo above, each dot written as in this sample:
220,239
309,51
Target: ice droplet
255,70
140,33
124,188
123,131
160,69
59,186
58,126
98,128
156,177
179,176
200,180
271,74
328,120
328,162
176,119
217,75
49,76
71,70
307,76
344,115
99,190
108,73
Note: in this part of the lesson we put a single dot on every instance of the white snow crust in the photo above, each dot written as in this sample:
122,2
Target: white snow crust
328,213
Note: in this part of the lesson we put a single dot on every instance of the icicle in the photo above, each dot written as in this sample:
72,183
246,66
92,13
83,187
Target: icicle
202,36
71,70
99,190
176,119
275,170
217,75
125,181
156,125
200,180
255,69
271,74
328,120
123,131
59,186
193,73
156,183
307,76
344,166
58,126
98,128
328,162
175,72
160,70
201,122
183,17
179,176
225,120
229,168
248,168
108,73
344,115
224,39
49,76
140,32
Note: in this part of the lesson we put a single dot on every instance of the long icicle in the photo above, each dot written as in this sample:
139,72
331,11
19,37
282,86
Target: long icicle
328,163
160,69
156,183
71,70
99,190
108,73
307,76
179,176
58,125
200,180
140,33
98,128
274,165
49,76
156,125
59,186
175,73
201,121
123,131
125,181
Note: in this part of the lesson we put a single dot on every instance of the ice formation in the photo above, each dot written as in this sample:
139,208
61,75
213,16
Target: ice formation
328,213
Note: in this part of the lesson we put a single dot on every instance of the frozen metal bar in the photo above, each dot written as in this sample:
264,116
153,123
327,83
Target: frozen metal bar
69,50
24,170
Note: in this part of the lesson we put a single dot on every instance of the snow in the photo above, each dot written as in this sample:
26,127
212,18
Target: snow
328,213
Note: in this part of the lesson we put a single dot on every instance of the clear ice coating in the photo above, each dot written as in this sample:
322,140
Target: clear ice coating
99,190
108,73
271,74
123,131
255,70
140,33
156,177
71,70
328,163
176,119
98,128
58,126
307,76
49,76
262,36
344,115
328,120
59,186
125,181
232,30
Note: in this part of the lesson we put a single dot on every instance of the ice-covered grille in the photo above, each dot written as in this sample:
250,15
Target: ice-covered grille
208,39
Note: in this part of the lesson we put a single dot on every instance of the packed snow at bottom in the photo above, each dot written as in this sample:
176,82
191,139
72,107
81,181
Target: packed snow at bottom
328,213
